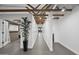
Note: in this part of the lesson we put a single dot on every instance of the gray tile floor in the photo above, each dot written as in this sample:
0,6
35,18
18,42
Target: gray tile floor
40,48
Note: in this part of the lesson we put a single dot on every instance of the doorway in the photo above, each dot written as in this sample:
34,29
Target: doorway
40,44
14,32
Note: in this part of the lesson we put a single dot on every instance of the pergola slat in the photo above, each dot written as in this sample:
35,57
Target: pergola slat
29,10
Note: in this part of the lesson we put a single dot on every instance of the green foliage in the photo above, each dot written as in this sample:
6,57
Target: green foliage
25,26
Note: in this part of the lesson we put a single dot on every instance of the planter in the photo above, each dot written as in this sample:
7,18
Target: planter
25,45
25,27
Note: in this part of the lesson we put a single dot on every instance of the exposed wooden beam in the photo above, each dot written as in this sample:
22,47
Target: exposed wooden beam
51,6
37,6
30,10
27,7
68,9
31,6
56,18
58,14
48,6
40,15
47,15
42,8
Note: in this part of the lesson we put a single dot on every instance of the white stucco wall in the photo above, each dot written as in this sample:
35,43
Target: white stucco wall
33,33
47,32
67,31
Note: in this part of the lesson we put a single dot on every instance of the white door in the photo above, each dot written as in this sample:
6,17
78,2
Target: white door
6,33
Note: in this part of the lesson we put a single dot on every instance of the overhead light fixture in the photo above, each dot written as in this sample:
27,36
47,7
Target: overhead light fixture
63,9
40,18
54,6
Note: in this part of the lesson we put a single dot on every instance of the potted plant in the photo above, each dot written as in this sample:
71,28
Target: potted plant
25,26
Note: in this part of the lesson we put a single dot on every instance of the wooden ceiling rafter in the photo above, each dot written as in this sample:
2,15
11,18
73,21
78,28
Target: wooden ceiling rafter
48,6
35,11
47,14
58,14
57,7
51,6
29,10
37,6
44,12
56,18
38,20
27,7
42,8
40,14
32,8
37,17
